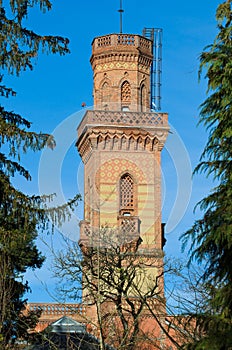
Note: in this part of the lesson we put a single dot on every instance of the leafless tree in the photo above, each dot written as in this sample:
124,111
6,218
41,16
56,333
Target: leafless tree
121,286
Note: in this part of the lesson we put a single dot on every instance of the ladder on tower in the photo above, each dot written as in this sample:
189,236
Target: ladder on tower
155,35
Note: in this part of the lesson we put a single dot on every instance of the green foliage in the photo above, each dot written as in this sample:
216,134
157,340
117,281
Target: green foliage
19,46
211,236
20,215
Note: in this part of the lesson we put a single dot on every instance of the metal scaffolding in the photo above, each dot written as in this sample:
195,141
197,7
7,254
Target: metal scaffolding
155,35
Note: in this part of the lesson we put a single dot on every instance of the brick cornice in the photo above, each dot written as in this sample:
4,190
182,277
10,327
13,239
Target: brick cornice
115,58
119,139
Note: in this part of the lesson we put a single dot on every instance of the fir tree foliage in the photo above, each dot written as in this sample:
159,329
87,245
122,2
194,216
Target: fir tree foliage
211,236
21,215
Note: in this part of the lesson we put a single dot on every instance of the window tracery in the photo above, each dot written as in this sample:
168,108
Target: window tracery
126,192
126,92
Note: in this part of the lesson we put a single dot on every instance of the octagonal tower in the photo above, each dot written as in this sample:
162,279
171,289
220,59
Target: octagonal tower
121,65
120,143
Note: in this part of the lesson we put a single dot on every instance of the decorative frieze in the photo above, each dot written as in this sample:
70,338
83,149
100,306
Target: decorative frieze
118,140
121,131
56,310
120,118
122,65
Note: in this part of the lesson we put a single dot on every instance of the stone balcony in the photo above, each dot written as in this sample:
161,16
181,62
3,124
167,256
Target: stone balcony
129,226
128,230
122,42
145,120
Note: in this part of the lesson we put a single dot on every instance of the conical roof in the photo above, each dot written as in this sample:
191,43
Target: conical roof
67,325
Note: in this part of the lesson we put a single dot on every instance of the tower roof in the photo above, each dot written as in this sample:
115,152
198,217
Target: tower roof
67,325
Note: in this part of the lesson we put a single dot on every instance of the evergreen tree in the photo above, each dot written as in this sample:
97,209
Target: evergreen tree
21,215
211,236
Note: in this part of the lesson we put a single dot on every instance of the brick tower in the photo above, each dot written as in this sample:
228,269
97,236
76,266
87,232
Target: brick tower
120,143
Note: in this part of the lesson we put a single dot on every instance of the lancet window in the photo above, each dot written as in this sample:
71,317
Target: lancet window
126,193
105,94
143,98
125,94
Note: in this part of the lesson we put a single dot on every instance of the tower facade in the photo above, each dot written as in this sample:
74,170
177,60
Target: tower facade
120,143
121,65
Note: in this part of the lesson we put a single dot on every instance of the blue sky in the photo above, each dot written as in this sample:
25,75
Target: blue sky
52,93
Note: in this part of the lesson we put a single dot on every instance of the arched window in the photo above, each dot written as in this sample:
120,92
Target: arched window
143,98
126,193
105,94
125,95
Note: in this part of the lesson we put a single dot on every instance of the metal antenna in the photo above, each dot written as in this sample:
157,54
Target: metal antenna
121,12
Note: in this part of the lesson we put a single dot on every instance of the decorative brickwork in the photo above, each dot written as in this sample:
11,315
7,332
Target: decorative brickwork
53,311
126,140
126,192
156,122
110,171
126,39
121,58
129,226
126,92
115,40
57,310
120,143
